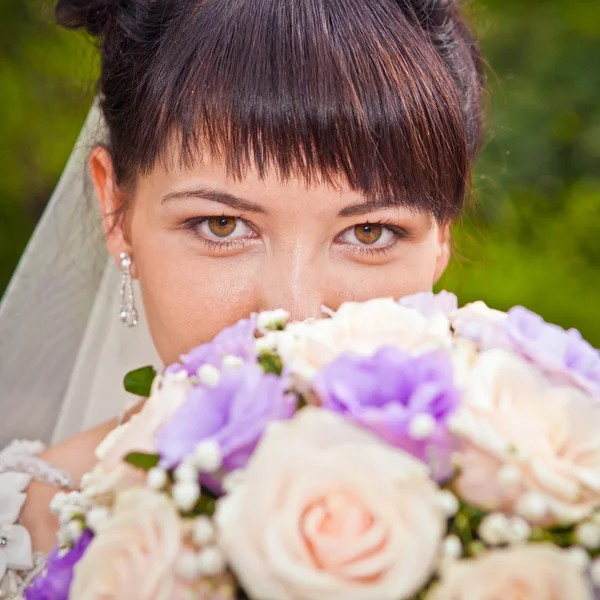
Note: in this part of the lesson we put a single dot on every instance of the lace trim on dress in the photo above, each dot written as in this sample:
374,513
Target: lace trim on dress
19,465
20,456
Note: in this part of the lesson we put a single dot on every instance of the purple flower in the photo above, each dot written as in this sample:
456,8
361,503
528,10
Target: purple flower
561,353
234,414
389,393
54,582
430,304
237,340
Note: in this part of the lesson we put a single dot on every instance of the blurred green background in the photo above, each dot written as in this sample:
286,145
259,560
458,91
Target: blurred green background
534,236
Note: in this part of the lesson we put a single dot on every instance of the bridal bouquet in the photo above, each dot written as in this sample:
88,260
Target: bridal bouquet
393,450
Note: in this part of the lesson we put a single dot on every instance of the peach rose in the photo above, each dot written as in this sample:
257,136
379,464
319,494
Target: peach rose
134,554
169,392
359,328
535,572
528,446
325,510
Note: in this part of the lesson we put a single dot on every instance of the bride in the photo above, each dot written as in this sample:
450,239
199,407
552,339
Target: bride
245,156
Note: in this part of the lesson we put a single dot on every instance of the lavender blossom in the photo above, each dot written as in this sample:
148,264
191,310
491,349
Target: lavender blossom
391,393
430,304
54,582
234,414
237,340
564,354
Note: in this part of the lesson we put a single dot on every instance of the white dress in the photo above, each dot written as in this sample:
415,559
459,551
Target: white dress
19,465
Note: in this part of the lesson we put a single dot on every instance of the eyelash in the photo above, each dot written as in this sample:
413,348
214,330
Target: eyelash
400,233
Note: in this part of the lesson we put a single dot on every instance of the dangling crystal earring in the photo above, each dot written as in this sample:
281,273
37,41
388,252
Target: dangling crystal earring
128,313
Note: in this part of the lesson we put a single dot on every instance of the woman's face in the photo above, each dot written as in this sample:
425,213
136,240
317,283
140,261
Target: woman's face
208,250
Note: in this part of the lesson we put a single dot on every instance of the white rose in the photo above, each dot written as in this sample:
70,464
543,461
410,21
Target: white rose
535,572
325,510
360,328
134,553
514,421
169,392
473,320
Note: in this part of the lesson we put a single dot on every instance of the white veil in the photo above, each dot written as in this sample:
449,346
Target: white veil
63,348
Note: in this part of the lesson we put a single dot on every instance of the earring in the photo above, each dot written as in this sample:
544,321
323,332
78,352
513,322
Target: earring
128,312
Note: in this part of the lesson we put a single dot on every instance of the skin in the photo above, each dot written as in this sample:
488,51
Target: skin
267,244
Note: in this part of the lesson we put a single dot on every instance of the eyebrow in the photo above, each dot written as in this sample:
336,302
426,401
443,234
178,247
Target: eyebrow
216,196
354,210
364,208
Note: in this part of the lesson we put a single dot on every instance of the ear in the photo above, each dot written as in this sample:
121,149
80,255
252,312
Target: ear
111,201
443,257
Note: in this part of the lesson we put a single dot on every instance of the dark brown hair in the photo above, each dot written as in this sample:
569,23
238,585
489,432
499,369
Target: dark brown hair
384,93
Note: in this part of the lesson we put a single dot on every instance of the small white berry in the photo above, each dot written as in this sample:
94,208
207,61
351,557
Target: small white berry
231,362
186,471
595,572
186,494
178,376
578,557
68,513
207,456
203,532
588,535
209,376
211,561
267,343
58,502
519,530
452,547
494,529
509,475
532,507
187,566
97,517
156,478
63,538
272,319
421,426
74,529
448,503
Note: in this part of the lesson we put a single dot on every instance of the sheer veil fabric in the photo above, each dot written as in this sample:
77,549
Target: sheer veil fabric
63,349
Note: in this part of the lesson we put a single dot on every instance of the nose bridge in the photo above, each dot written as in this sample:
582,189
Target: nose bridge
293,282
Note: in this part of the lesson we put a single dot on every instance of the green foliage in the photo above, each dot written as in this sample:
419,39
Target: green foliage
271,363
139,382
533,237
142,460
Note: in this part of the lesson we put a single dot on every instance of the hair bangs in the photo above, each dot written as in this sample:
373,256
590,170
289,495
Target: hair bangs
320,89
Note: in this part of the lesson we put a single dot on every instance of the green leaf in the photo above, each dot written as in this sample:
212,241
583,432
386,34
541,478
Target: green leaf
204,506
139,382
142,460
271,363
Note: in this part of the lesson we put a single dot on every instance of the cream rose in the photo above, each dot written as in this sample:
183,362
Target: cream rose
535,572
472,320
359,328
325,510
528,446
169,392
134,554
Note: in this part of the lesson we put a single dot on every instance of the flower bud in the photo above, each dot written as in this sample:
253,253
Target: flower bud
186,494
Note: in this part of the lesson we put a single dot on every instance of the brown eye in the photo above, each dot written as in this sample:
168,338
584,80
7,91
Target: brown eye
368,233
222,226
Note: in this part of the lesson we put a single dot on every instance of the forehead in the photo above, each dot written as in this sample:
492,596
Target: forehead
270,192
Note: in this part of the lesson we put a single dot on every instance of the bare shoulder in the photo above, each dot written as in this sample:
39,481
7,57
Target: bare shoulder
76,456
